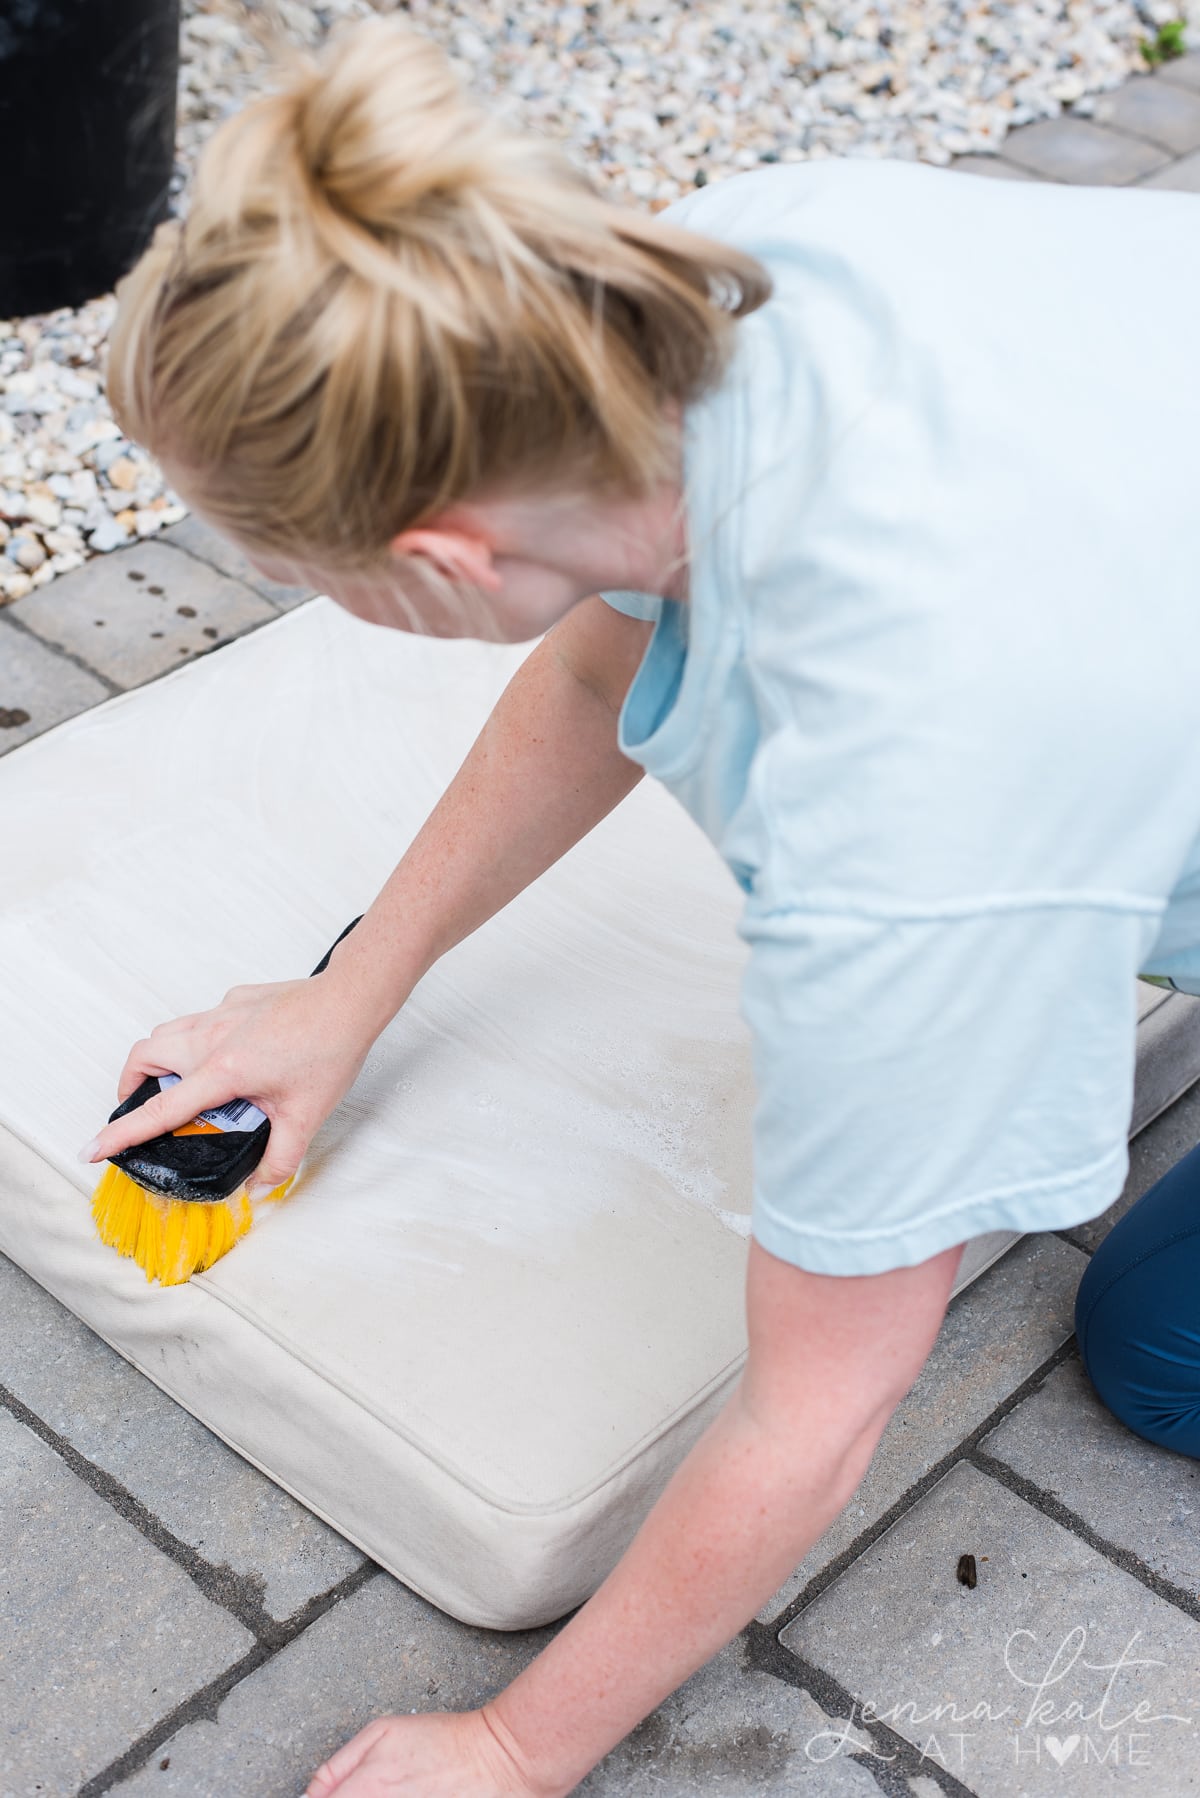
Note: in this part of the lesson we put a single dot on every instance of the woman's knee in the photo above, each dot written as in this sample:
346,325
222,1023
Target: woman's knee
1137,1313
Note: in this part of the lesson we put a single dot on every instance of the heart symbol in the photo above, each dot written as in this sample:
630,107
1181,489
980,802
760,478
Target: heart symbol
1061,1751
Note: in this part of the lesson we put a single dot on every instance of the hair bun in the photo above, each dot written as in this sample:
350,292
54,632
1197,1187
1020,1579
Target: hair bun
383,126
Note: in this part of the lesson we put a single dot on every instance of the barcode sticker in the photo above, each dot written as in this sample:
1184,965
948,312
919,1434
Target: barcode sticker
235,1114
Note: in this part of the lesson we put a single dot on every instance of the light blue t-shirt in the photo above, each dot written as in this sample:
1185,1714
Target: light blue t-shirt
936,694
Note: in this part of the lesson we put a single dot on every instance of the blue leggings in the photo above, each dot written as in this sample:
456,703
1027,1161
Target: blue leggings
1137,1313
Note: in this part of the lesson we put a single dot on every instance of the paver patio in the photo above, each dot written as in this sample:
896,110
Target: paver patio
175,1624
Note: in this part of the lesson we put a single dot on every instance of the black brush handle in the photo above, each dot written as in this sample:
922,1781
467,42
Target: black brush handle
324,961
201,1168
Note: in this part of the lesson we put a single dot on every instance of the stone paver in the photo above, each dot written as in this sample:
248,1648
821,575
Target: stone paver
731,1733
1165,113
1183,71
205,1494
1168,1053
958,1672
37,687
1183,176
200,540
994,1335
1076,150
1137,1496
1151,1154
382,1650
134,614
993,165
726,1732
100,1635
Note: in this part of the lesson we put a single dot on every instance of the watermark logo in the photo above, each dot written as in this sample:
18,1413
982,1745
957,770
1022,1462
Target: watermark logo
1044,1724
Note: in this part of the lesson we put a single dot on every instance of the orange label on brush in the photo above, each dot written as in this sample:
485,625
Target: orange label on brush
198,1127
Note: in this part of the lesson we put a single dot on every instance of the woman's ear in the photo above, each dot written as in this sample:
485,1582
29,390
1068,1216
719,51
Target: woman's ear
461,555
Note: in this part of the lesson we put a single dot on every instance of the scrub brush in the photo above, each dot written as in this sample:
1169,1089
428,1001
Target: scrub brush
177,1203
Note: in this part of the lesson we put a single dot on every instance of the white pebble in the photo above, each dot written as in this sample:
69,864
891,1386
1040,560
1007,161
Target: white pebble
114,449
26,552
43,509
77,385
108,535
64,541
14,582
122,472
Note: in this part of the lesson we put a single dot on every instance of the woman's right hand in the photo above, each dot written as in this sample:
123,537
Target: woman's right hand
293,1048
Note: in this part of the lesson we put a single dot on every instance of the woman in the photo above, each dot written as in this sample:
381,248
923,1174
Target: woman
847,521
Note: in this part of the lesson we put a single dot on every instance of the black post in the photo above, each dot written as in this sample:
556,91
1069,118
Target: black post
87,135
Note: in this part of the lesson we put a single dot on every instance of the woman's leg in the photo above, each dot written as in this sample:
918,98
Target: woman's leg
1137,1313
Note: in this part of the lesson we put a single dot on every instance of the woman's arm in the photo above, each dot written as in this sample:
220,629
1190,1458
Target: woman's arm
830,1358
544,770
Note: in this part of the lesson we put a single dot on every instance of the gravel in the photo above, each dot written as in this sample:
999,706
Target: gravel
653,98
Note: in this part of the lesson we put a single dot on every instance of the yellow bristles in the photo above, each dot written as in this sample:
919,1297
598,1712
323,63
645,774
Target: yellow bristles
170,1239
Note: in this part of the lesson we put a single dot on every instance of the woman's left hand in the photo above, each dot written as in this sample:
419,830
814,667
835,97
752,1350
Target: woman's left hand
436,1755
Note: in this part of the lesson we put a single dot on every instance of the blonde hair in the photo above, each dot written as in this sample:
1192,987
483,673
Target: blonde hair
383,301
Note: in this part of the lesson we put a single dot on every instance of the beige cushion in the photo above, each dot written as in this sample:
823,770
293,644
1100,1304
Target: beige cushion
506,1295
